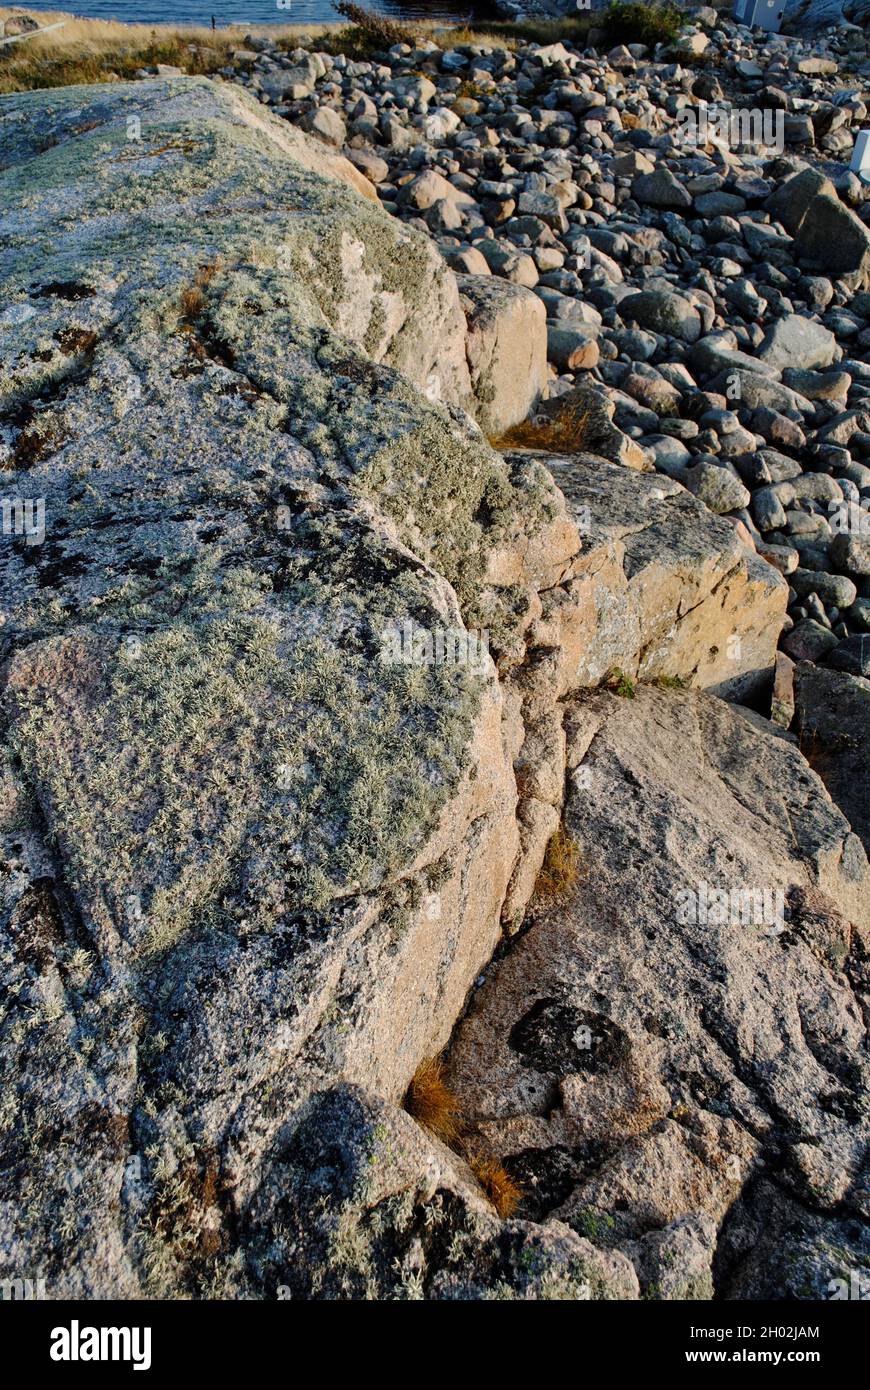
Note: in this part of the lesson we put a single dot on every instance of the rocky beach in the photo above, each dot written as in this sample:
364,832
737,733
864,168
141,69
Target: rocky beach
436,665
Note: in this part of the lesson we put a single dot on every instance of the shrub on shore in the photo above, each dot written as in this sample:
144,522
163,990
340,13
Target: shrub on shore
368,33
628,21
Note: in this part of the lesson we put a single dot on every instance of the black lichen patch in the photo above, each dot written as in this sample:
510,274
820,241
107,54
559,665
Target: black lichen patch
62,289
37,927
547,1177
52,562
104,1130
554,1037
76,340
36,439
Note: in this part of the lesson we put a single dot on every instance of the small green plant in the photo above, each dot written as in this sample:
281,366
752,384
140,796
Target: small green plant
594,1225
621,684
626,21
672,683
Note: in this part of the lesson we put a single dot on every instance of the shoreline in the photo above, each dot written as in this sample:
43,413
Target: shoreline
263,30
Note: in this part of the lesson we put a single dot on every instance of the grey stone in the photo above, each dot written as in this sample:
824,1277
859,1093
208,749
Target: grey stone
663,311
717,488
808,641
662,585
851,552
506,349
390,1187
831,588
833,714
719,204
798,342
852,655
572,349
661,189
328,126
235,792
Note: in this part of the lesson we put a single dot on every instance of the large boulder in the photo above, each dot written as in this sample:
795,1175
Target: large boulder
828,235
789,203
506,349
813,15
662,588
681,1032
284,669
798,342
664,311
18,24
582,418
661,189
258,800
189,147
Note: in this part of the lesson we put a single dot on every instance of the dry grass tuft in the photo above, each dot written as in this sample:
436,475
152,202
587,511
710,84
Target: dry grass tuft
496,1181
561,868
432,1103
192,301
193,298
565,433
206,273
435,1107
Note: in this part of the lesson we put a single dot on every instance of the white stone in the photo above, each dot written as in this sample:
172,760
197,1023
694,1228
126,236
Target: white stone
861,157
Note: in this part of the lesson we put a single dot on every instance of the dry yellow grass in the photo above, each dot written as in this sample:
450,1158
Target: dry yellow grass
97,50
495,1180
434,1106
192,298
432,1103
94,50
561,867
564,433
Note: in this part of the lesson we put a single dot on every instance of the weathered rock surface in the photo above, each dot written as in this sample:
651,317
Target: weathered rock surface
833,720
652,1069
268,803
358,1202
242,822
663,588
506,348
698,240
